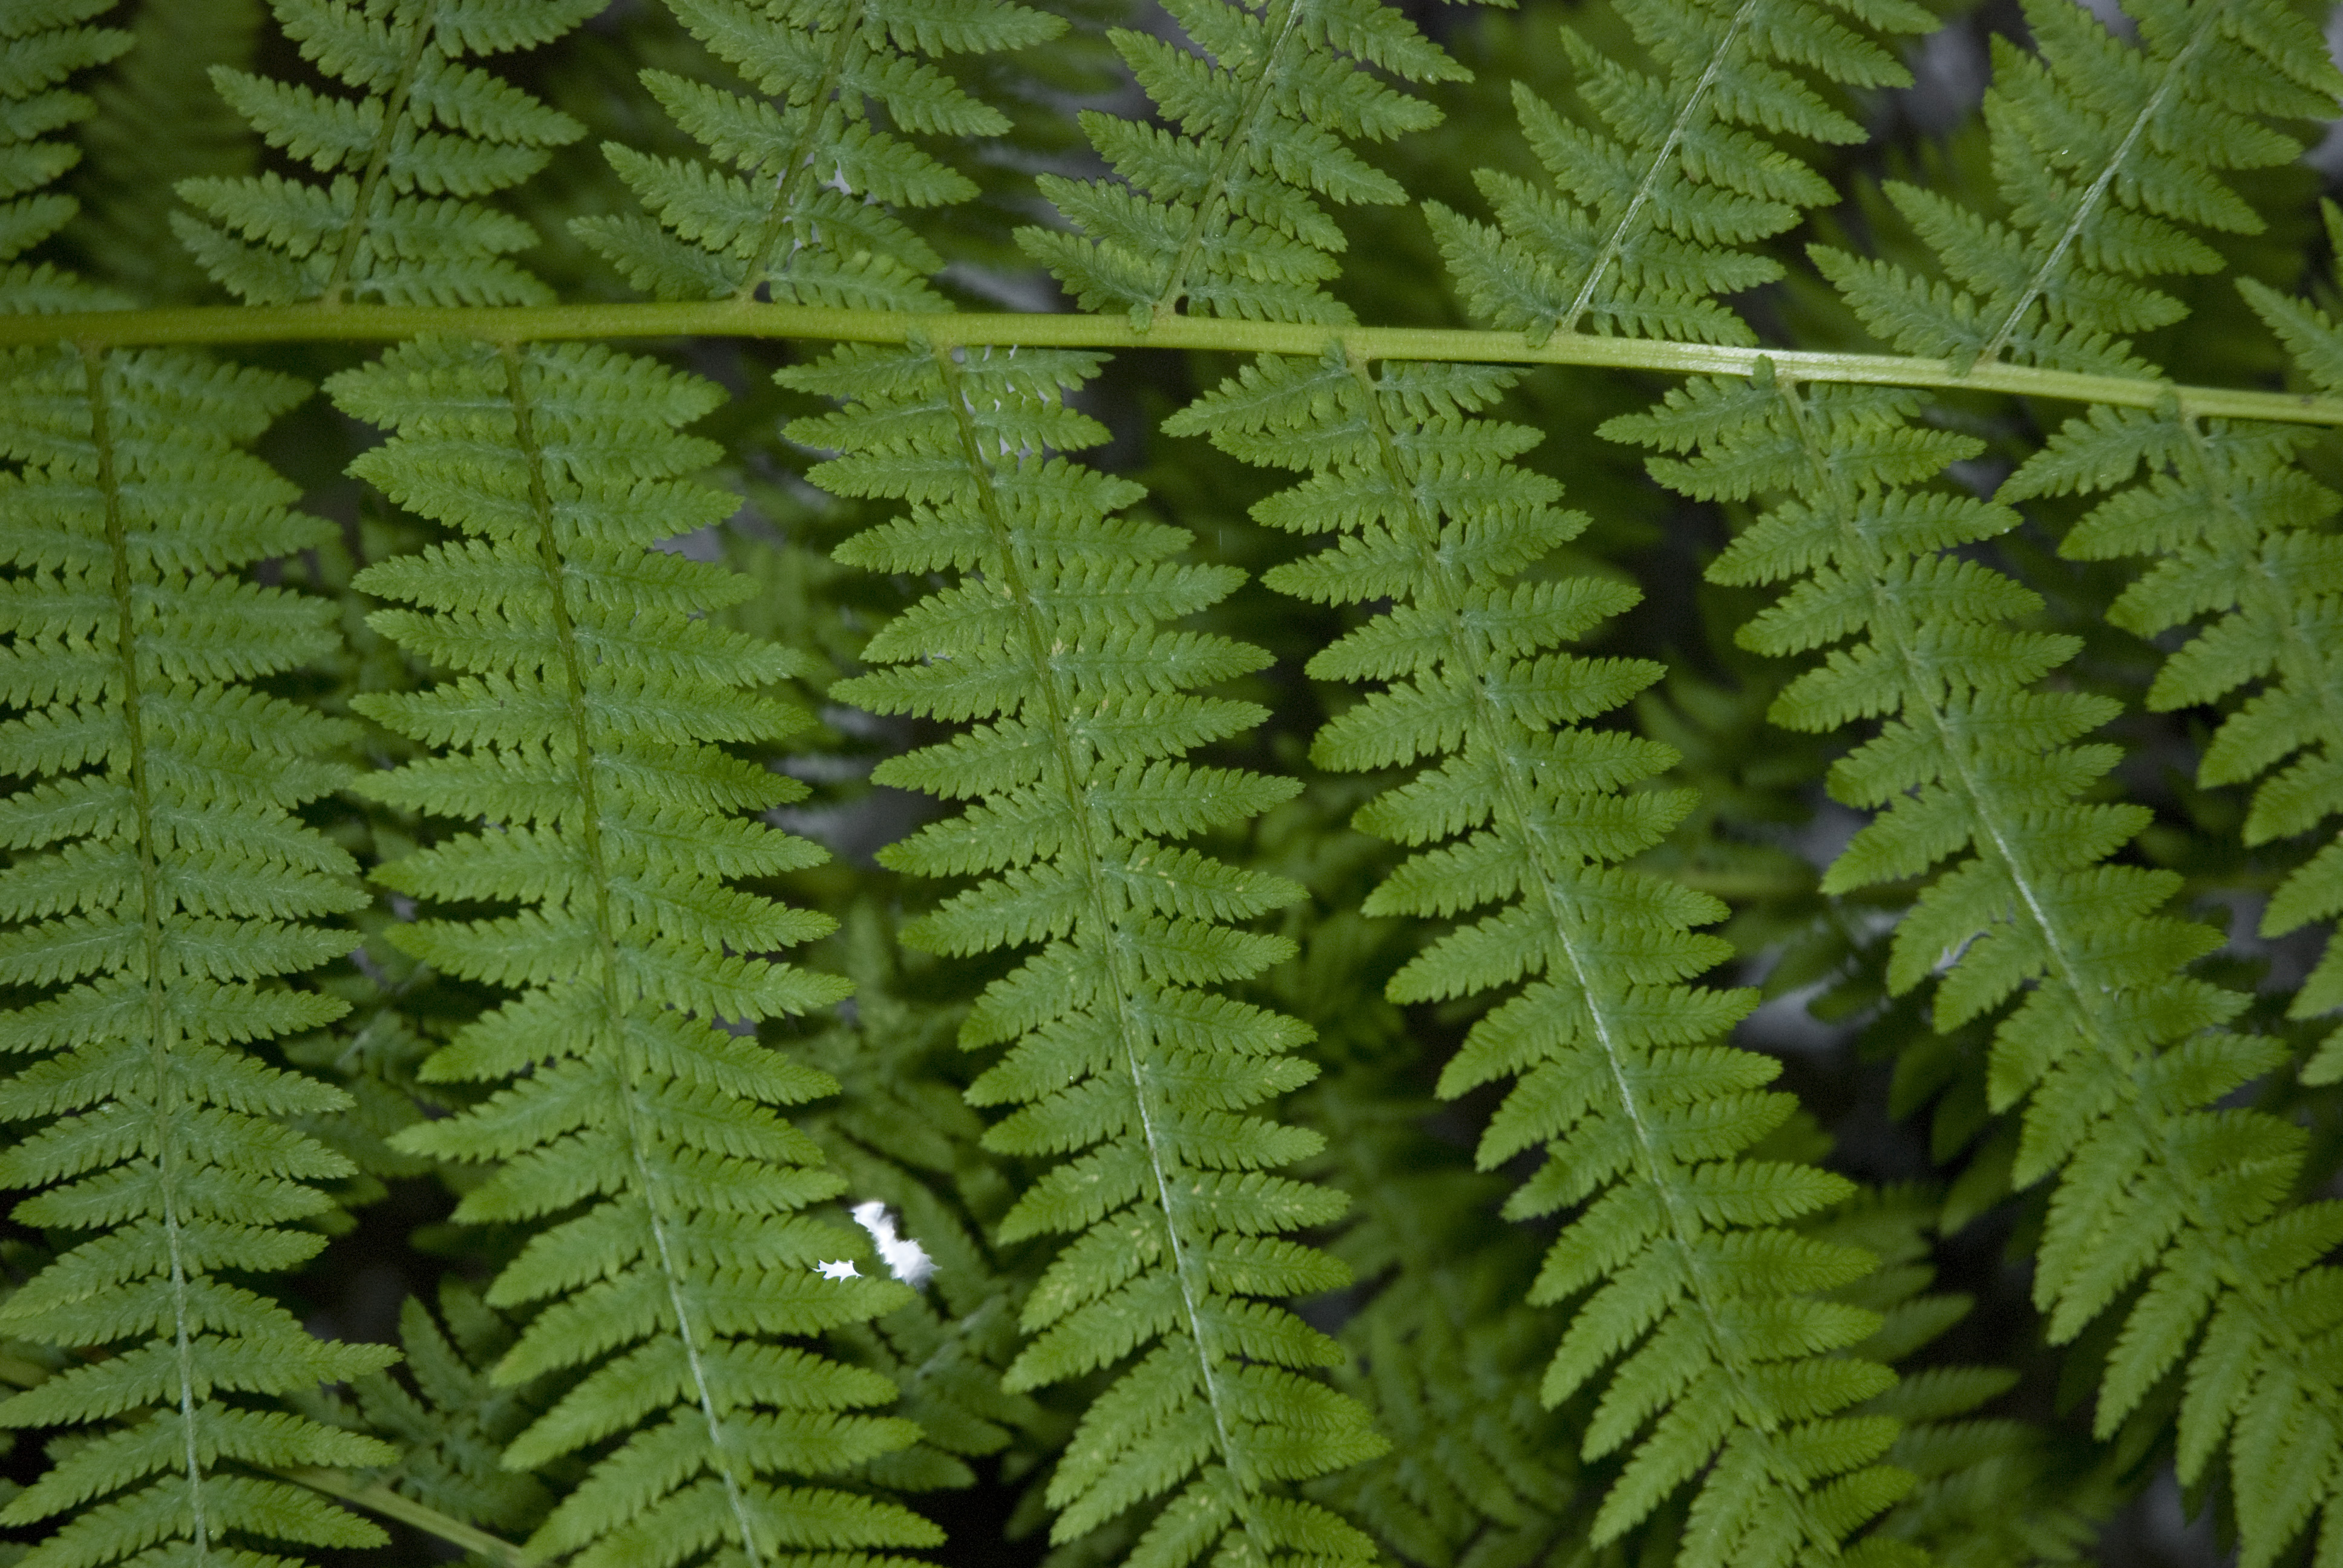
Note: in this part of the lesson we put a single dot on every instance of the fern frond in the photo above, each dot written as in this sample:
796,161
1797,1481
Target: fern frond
44,45
1446,1355
583,729
806,221
1989,1493
1701,1298
2237,525
1221,216
2106,156
1122,1060
1652,215
162,883
397,221
905,1139
159,120
2118,1055
452,1426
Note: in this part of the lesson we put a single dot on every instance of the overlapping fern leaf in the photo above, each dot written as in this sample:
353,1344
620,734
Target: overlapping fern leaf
2118,1054
1221,216
1122,1056
400,219
453,1424
2243,551
43,43
582,728
2166,1206
1652,215
2107,156
810,224
162,889
908,1144
1705,1304
159,120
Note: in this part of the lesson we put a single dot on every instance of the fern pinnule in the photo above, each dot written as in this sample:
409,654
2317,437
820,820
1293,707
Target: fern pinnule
1653,213
2105,156
399,221
582,727
1221,216
43,43
1530,809
162,883
1122,1059
2247,551
810,224
160,120
2117,1054
906,1139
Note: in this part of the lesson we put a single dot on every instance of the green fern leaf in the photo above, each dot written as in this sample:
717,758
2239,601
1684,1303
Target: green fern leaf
45,46
1221,216
163,885
2236,525
398,222
2103,152
1975,760
1651,214
805,225
607,810
1119,1058
1641,1123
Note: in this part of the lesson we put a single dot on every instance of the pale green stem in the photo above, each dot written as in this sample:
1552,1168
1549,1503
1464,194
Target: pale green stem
736,318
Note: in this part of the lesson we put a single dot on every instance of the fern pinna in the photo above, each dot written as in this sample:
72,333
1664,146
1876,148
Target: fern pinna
1120,1055
2235,521
400,221
1707,1298
583,726
811,225
162,889
2118,1054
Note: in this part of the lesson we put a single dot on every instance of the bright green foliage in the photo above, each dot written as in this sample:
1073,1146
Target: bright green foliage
582,726
399,221
2238,528
160,886
161,883
1985,1495
2167,1209
159,121
2117,1055
42,44
1221,216
810,224
2103,152
452,1427
1703,1300
1651,214
1120,1057
904,1138
1198,1010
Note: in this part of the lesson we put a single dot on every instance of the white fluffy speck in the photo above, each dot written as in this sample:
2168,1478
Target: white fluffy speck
841,1269
905,1259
